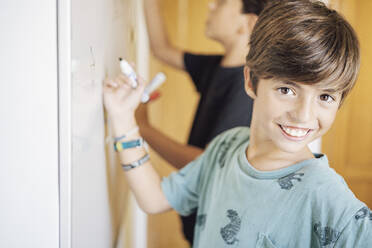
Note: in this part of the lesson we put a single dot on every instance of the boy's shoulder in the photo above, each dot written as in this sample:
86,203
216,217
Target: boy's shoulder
228,140
321,175
234,134
333,203
324,180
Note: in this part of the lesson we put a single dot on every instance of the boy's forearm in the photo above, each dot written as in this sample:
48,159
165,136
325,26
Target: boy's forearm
144,181
177,154
159,42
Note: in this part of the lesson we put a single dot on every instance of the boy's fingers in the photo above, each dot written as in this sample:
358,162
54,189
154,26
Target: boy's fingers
139,78
141,86
110,83
108,86
127,82
142,81
123,81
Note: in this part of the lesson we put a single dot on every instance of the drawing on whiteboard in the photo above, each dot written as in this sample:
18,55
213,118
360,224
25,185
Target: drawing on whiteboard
93,64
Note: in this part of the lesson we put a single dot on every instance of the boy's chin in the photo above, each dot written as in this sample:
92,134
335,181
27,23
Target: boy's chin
210,35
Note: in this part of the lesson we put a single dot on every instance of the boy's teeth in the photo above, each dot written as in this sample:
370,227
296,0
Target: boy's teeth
295,132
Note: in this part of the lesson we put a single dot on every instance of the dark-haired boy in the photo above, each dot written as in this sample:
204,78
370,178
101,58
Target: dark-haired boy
219,79
262,187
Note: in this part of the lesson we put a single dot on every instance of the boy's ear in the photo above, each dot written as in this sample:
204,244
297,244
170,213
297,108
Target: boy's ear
252,21
248,83
247,24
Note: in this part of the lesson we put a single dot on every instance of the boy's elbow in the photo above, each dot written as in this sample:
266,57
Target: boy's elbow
155,52
154,209
158,51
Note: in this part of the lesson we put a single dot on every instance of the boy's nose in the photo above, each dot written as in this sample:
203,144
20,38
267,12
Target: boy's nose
302,111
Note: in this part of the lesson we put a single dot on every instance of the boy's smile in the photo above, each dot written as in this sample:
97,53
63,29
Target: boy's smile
295,133
287,116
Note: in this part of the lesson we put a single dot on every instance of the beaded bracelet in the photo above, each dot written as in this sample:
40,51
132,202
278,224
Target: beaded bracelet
135,164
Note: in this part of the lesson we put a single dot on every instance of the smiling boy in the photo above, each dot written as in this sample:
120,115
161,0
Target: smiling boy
262,187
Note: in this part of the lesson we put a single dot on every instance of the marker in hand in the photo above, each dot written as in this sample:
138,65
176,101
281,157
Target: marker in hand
155,83
128,71
154,96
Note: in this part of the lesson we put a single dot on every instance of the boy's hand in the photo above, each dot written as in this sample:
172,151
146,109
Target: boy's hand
121,100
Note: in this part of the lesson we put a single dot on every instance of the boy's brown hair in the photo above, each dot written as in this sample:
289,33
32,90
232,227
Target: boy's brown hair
304,41
253,6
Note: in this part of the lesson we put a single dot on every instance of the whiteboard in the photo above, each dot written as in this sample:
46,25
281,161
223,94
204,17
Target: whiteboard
93,190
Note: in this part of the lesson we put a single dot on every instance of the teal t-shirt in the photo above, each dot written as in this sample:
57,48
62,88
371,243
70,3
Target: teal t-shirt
304,205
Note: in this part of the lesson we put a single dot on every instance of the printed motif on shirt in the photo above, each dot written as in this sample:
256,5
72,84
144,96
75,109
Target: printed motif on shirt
230,231
326,235
224,147
364,212
200,220
286,182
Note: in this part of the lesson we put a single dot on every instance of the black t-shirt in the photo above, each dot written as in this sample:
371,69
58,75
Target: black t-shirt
223,104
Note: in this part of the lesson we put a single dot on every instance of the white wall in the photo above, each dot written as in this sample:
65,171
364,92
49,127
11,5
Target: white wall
102,31
52,121
29,209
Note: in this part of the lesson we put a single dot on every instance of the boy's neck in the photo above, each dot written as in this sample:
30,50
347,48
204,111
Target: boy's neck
266,157
235,53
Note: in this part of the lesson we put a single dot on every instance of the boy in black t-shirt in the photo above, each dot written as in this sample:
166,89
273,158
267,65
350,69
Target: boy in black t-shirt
219,79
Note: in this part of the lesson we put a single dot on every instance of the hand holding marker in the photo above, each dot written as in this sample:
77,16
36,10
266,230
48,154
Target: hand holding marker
155,83
128,71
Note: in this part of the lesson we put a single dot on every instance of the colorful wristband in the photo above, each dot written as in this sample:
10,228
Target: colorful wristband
119,146
137,163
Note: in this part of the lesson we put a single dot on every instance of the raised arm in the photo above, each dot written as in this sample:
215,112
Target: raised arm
177,154
159,42
120,101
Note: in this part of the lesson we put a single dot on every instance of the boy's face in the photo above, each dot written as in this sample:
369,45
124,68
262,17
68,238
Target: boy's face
224,19
288,116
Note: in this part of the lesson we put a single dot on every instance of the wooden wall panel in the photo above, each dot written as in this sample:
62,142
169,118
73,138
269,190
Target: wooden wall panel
173,112
349,143
165,229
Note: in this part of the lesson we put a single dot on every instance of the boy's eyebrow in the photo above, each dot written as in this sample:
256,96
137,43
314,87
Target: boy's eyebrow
290,83
298,85
330,90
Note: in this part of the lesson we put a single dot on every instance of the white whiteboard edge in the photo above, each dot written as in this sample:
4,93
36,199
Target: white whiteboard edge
64,115
140,218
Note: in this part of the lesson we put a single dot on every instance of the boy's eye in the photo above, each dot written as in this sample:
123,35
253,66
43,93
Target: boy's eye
285,91
326,98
